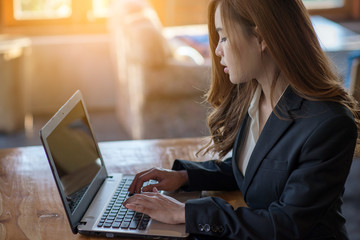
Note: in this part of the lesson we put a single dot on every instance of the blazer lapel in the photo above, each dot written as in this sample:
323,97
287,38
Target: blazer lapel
238,142
273,130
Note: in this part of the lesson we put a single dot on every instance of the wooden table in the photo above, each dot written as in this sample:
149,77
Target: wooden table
30,205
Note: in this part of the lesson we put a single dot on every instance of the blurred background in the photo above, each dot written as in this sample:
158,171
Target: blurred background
142,66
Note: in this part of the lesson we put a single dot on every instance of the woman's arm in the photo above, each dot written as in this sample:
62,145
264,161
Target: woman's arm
191,176
208,175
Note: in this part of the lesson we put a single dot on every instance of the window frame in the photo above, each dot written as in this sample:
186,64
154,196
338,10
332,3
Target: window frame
81,21
344,12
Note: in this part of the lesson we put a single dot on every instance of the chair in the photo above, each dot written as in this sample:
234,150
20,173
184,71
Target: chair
15,68
354,87
158,95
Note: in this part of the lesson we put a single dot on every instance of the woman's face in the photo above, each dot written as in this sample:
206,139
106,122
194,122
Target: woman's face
243,62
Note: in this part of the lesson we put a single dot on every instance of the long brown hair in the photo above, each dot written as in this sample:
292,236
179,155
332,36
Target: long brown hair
286,28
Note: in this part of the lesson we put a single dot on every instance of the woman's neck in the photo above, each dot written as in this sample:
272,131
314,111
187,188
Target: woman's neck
268,100
271,98
270,74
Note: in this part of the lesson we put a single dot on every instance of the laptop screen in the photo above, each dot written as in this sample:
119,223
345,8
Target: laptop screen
75,154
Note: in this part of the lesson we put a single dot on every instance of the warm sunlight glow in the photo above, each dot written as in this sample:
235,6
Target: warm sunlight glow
101,8
190,53
42,9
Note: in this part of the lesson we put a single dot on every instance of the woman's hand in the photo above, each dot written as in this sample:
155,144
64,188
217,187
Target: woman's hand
168,180
158,206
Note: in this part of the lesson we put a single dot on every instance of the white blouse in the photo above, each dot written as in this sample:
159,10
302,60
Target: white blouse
252,129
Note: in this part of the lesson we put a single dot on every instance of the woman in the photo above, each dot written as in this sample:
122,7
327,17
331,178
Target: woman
291,126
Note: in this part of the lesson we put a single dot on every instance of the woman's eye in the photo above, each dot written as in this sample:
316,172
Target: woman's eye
223,39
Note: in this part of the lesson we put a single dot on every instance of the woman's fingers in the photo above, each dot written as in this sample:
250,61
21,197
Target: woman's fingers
137,208
143,203
143,199
149,187
132,187
157,206
142,177
168,180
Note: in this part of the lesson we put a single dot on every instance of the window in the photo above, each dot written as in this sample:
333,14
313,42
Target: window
101,8
332,9
53,16
41,9
323,4
54,9
48,10
36,17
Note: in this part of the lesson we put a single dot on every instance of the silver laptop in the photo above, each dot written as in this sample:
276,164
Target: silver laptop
91,197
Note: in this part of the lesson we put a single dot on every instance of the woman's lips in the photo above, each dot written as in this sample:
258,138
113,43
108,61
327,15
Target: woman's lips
226,69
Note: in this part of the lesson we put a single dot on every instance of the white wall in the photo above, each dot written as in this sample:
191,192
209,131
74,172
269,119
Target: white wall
62,64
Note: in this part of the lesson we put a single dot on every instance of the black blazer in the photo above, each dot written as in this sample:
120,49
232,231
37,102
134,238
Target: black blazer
294,181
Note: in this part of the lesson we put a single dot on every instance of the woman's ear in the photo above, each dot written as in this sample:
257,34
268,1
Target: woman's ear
263,45
261,41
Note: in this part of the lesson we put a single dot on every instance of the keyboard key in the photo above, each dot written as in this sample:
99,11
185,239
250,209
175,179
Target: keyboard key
142,226
134,224
127,219
109,221
125,225
116,224
107,225
138,215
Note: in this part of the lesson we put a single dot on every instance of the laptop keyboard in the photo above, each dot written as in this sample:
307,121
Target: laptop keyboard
117,216
74,199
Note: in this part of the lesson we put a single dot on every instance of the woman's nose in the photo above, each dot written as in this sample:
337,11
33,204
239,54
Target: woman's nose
218,51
